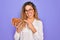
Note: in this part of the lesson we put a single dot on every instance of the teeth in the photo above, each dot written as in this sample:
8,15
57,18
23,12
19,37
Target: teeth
29,14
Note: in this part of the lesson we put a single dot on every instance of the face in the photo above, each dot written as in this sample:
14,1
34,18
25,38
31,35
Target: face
29,11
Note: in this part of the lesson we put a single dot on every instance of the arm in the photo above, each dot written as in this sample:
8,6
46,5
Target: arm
16,36
39,34
36,29
18,32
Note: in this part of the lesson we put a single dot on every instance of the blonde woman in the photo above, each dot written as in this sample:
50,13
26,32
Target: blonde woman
31,28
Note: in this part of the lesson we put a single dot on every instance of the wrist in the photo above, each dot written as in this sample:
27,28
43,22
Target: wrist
18,30
33,30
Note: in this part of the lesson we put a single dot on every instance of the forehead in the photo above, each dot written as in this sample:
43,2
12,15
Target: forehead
27,7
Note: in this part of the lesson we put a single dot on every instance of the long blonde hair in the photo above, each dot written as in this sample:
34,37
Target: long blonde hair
23,14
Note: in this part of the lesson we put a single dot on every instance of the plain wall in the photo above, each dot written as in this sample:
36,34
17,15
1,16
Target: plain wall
48,12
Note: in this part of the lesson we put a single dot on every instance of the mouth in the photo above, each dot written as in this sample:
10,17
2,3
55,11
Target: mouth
29,14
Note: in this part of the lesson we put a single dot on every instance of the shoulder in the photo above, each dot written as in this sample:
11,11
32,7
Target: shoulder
38,21
38,24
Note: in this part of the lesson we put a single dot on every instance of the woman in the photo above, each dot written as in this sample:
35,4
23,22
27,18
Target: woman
33,28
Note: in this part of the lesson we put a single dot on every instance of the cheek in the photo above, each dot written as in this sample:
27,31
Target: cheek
31,13
26,14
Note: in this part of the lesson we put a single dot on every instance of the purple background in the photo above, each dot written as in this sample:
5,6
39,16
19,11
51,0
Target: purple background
48,10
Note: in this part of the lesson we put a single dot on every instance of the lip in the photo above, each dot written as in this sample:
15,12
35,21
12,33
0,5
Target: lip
30,14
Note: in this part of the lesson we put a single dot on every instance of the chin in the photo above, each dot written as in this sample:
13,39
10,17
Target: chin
30,17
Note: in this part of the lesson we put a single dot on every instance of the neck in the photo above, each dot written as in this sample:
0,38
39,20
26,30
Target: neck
31,19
